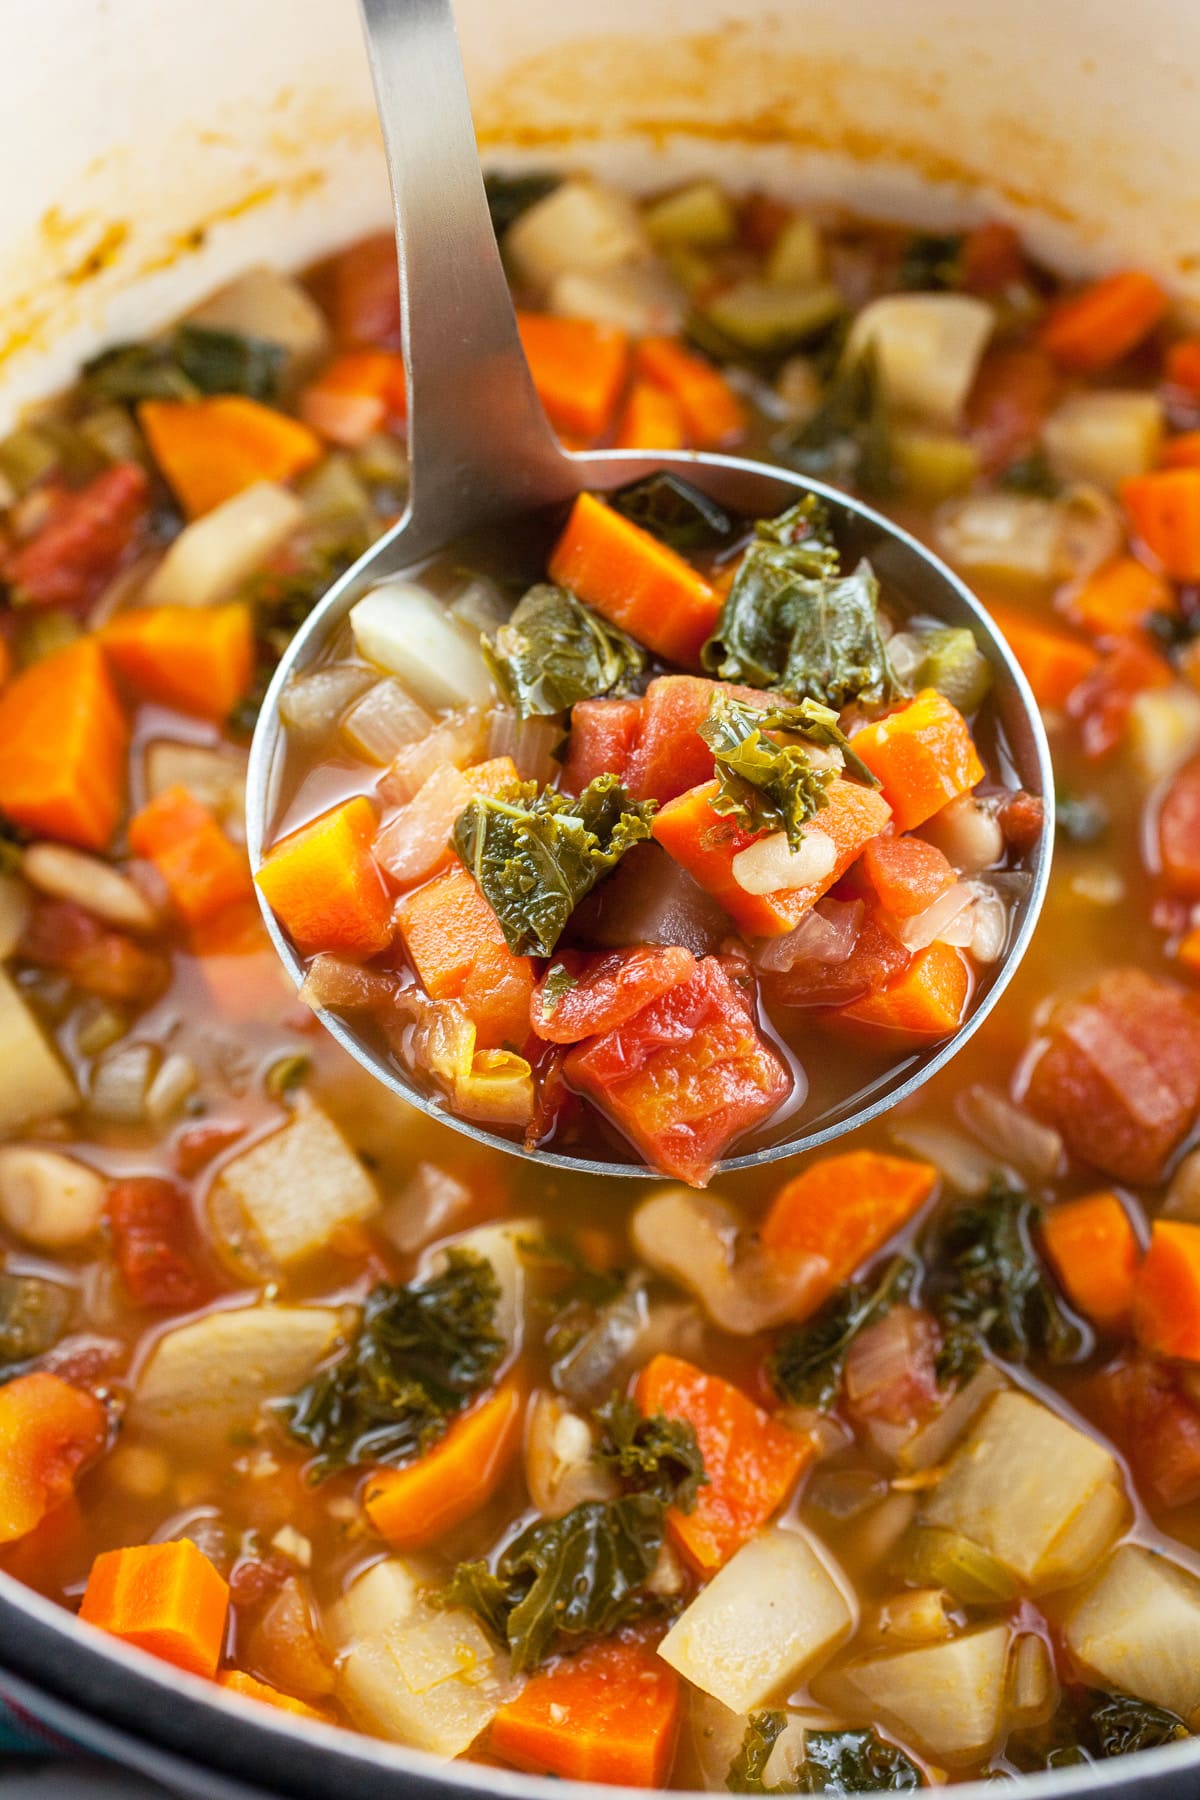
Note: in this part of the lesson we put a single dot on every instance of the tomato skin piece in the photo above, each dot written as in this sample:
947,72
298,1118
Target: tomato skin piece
1137,1401
150,1223
366,293
603,735
875,959
85,539
609,989
686,1076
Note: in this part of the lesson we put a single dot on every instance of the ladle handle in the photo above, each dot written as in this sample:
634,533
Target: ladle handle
479,443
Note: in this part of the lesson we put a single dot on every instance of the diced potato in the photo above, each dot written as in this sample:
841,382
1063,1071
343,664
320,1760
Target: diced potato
1163,730
933,1442
1041,1498
293,1189
1137,1627
641,298
402,628
1021,538
384,1595
433,1681
214,555
771,1616
262,303
501,1246
927,348
701,214
1103,436
205,1381
947,1699
36,1084
932,465
767,316
581,225
797,256
217,778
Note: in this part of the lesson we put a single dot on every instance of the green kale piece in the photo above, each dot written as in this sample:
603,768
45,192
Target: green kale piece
537,853
226,362
931,262
508,196
1117,1724
987,1279
848,438
807,1363
856,1762
420,1355
747,1771
675,512
765,785
554,651
654,1455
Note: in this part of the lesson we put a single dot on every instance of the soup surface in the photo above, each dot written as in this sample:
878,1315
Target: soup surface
872,1474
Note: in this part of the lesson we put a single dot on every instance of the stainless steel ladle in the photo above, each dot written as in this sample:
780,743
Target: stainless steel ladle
481,452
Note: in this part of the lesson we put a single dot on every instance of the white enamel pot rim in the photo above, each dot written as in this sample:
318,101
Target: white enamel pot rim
159,148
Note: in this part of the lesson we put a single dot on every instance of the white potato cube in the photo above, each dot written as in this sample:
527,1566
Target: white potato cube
771,1616
1137,1627
1103,436
1164,730
262,303
927,348
215,554
581,225
384,1595
641,298
1041,1497
402,628
948,1699
294,1188
36,1084
434,1681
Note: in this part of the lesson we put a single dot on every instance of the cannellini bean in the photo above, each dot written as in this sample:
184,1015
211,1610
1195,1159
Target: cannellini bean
47,1199
967,834
67,874
769,867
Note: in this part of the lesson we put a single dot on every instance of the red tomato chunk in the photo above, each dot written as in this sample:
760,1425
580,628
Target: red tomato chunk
83,542
151,1227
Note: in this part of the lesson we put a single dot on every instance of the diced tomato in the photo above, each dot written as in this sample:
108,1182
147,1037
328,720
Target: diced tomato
686,1076
605,990
82,544
196,1146
555,1105
366,293
874,960
603,734
1138,1402
907,874
60,935
992,258
1102,700
670,756
1008,405
1021,818
152,1233
1120,1073
891,1371
761,218
1179,830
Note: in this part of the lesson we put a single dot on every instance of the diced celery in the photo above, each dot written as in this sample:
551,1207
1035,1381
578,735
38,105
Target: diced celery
700,215
690,267
946,1559
953,663
797,256
763,317
932,465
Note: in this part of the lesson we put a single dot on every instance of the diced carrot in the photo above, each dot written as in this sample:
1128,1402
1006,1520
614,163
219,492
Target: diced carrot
197,658
1181,365
605,988
1118,599
1188,951
926,1000
356,395
923,755
204,872
1164,513
609,1714
165,1598
686,1076
705,844
234,1681
49,1433
325,885
1181,452
451,1481
907,874
495,776
651,420
1094,1252
63,738
992,258
209,450
641,585
752,1463
712,413
366,292
1092,329
49,1557
88,534
1166,1293
841,1210
457,948
1053,662
578,368
603,735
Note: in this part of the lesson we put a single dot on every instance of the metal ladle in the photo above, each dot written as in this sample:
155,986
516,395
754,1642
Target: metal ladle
481,452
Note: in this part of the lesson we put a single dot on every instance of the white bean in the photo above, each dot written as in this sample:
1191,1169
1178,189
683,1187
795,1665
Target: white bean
47,1199
103,891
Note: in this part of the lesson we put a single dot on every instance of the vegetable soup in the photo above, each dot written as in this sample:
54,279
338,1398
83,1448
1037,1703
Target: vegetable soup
872,1474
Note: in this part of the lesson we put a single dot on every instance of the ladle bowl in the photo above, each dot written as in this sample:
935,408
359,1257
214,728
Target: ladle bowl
481,453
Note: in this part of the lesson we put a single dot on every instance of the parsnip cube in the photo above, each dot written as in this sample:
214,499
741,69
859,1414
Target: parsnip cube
1137,1627
948,1699
434,1681
1041,1497
36,1084
772,1615
294,1188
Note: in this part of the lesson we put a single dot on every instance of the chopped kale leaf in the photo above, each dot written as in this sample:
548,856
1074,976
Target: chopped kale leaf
225,362
654,1455
747,1771
764,785
848,437
807,1363
1032,475
1117,1724
675,512
856,1762
554,651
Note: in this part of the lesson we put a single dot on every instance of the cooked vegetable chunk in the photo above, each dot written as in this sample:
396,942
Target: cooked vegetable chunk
164,1598
608,1714
948,1698
49,1433
1137,1627
922,755
325,885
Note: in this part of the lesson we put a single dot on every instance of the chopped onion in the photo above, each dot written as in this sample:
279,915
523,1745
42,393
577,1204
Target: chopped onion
1032,1149
404,629
211,556
530,742
312,704
931,1445
332,981
173,1085
497,1089
927,927
426,1209
1032,1681
384,722
917,1616
414,841
769,867
963,1163
927,348
120,1083
695,1240
906,653
103,891
825,935
455,741
480,606
981,927
581,225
